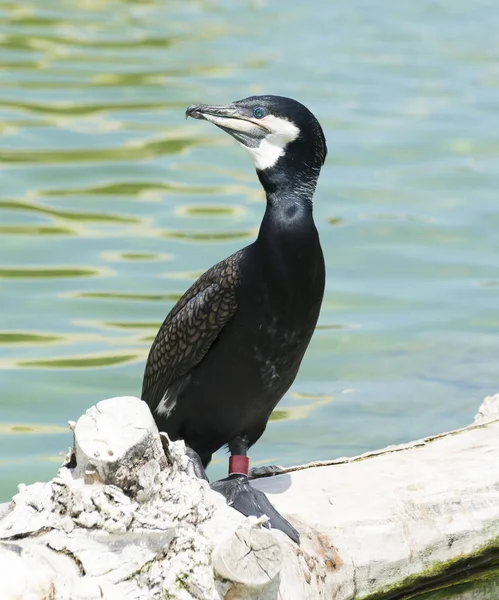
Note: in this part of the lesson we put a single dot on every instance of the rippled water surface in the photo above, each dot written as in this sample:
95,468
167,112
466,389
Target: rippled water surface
111,204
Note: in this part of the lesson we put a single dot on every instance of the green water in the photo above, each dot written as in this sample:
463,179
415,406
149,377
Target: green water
111,204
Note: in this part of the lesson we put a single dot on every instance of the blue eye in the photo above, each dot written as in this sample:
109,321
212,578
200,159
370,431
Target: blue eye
259,112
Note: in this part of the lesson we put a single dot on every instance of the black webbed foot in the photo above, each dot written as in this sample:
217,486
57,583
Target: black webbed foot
249,501
266,471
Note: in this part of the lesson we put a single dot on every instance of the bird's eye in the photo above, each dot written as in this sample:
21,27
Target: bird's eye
259,112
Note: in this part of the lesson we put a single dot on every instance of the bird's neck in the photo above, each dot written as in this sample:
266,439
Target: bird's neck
288,245
289,201
279,182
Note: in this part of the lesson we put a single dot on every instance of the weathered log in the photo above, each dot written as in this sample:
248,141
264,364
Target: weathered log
124,519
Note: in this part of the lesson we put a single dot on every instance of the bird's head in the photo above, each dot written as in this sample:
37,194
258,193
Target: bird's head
278,132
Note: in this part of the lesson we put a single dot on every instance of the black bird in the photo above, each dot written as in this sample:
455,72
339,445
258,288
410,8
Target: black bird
232,345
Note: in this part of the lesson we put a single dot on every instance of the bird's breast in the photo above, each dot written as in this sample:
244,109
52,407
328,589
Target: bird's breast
278,307
277,350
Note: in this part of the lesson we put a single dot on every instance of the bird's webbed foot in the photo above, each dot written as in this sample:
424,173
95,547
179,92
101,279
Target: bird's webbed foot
266,471
249,501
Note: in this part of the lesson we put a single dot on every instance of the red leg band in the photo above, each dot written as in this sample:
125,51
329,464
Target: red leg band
238,464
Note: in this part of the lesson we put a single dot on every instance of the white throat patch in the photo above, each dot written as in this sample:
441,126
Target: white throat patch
279,133
273,145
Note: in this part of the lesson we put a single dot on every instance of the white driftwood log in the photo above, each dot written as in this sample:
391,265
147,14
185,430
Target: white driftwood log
124,520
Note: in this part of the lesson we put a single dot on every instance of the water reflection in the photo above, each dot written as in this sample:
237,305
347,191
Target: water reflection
209,236
31,429
80,362
131,153
21,337
35,230
134,256
51,272
302,410
126,297
210,211
154,326
70,215
137,188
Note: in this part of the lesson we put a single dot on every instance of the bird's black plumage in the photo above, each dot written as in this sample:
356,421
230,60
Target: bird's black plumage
232,345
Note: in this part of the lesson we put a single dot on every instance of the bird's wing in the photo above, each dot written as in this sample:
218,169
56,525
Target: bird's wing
189,330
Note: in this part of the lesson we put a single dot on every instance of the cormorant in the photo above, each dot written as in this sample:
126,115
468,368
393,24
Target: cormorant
232,345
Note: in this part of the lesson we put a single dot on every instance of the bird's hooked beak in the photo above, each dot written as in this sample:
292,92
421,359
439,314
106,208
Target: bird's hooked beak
205,111
243,127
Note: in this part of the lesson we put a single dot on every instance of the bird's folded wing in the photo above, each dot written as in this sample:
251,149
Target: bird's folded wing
188,332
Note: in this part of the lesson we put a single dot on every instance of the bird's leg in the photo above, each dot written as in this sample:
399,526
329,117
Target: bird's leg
239,494
239,462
